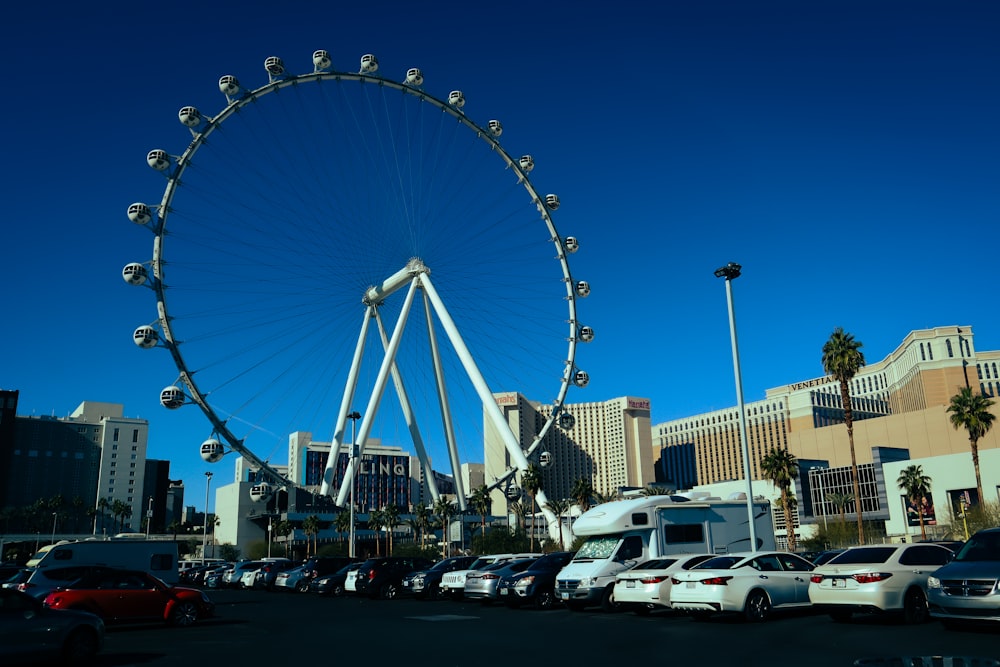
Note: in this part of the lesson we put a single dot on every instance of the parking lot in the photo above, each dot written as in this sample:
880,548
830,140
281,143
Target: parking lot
261,627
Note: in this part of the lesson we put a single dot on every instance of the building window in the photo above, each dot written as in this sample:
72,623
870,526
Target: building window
948,345
115,436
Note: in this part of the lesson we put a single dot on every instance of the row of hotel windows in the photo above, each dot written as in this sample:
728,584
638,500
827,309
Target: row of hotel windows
980,369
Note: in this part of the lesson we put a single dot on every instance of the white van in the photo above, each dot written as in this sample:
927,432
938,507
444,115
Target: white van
158,557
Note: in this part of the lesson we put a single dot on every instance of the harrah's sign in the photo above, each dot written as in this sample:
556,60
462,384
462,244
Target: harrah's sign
510,398
638,403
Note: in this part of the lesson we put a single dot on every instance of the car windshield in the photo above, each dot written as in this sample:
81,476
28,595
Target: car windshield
980,547
447,565
597,547
859,555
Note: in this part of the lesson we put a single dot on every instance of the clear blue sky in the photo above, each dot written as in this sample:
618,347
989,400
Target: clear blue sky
844,152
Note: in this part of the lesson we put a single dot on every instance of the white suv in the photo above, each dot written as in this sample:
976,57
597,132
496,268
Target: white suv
453,583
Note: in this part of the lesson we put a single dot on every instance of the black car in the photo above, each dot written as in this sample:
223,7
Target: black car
426,584
383,577
332,584
536,585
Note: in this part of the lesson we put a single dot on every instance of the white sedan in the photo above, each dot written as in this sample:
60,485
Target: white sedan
647,586
878,578
749,583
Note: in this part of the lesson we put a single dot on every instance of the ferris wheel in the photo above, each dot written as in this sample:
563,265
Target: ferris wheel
337,247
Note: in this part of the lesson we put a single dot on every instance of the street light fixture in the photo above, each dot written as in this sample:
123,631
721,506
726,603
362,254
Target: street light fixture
54,516
354,417
731,272
204,532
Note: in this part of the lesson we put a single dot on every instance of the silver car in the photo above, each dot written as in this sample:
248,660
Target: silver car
967,590
482,584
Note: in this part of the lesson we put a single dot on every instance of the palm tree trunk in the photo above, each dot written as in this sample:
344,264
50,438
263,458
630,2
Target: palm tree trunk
845,396
974,445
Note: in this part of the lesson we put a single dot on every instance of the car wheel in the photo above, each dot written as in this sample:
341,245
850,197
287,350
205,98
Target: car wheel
758,607
434,592
608,603
841,615
184,614
915,607
80,647
302,586
388,591
337,590
545,599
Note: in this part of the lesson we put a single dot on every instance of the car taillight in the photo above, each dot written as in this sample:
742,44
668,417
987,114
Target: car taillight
871,577
651,580
816,578
716,581
490,576
371,574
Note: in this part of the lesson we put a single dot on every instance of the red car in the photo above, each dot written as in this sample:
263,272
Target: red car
126,596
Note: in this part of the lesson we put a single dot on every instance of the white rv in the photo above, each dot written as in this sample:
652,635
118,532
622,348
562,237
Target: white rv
158,557
620,534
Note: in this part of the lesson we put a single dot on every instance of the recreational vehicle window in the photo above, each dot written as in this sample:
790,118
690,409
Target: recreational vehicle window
640,519
684,533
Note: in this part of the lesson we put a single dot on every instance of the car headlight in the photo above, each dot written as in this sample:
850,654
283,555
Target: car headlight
933,582
418,580
524,582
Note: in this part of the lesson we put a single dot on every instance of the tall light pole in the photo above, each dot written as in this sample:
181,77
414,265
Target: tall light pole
149,516
731,272
204,532
54,516
354,417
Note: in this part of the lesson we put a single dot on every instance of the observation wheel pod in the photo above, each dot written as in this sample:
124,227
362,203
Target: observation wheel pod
414,77
212,450
582,288
456,98
189,117
135,273
139,213
172,397
586,334
229,85
158,159
261,492
145,337
321,60
369,64
496,129
566,421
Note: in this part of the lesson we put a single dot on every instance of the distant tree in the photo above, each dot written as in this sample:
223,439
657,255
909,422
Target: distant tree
582,493
917,486
519,511
531,482
311,526
390,521
971,411
444,509
229,552
342,523
559,507
285,528
841,501
480,502
601,498
842,359
422,515
375,523
780,467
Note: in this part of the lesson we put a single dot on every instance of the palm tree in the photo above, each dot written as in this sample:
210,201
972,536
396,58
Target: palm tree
390,521
480,502
284,528
653,490
444,509
581,493
780,467
972,412
422,515
342,523
842,359
841,501
917,485
102,506
375,523
601,498
531,482
518,509
559,507
310,526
